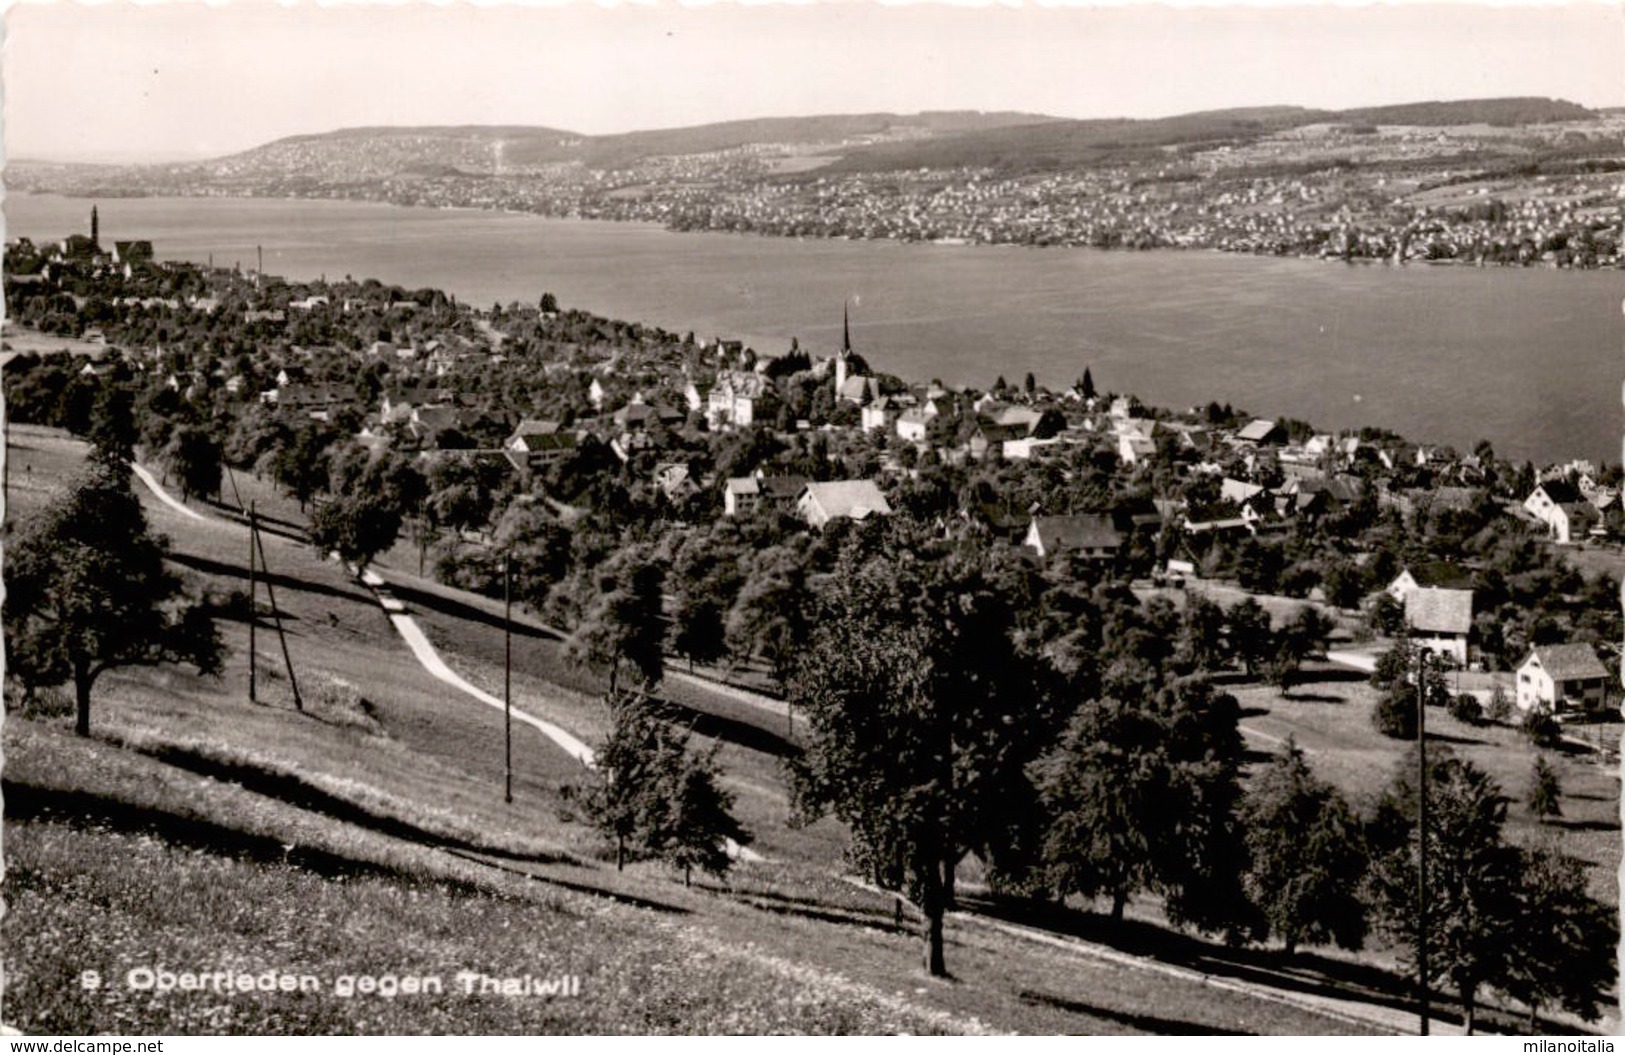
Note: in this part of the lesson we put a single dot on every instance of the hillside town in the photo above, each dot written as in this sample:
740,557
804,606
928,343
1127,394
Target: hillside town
1543,193
573,417
1003,640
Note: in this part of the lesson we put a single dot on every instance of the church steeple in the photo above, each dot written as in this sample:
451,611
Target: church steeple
846,349
95,229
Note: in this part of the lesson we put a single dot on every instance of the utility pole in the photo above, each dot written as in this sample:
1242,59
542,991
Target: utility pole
507,677
276,616
1422,832
253,605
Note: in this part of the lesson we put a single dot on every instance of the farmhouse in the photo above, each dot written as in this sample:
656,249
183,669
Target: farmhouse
1564,511
850,499
1562,677
1434,574
1441,621
1091,536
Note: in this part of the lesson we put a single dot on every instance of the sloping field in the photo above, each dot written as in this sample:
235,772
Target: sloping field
367,835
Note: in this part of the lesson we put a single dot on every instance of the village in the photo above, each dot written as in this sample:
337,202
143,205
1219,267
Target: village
757,523
1144,494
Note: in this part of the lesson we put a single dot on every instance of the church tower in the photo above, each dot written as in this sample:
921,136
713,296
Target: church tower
95,229
846,350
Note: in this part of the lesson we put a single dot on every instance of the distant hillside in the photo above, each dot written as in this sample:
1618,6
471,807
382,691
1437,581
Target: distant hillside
1511,111
833,129
1069,144
419,165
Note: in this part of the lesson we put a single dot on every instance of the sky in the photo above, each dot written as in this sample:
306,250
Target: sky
161,81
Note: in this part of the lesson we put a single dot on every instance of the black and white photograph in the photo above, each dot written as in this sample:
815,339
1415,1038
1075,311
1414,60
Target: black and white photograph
820,518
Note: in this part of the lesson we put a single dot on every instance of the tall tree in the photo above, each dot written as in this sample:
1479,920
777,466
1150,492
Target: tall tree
194,456
1545,792
1105,792
87,592
113,432
910,743
1252,637
1563,946
658,798
1473,875
698,823
357,527
623,623
1143,796
1304,846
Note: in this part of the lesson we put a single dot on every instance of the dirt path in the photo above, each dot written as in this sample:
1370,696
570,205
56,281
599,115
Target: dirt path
424,651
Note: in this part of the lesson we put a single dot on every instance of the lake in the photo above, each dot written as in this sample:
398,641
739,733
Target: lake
1529,359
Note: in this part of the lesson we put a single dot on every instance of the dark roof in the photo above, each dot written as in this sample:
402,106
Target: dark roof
1441,573
1561,491
783,488
1085,531
1572,662
993,432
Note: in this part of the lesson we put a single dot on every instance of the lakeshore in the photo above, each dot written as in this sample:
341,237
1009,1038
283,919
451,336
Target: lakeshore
1449,355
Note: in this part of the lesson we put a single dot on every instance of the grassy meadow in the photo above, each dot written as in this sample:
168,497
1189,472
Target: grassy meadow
367,835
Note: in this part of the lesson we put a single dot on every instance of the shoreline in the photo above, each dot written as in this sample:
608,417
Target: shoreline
945,243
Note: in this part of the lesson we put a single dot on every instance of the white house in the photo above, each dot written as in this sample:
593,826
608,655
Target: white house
911,423
740,495
1441,621
853,499
735,398
1562,677
1133,448
1433,574
880,414
1564,511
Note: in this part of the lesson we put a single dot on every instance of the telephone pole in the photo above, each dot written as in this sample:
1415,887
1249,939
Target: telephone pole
507,677
1422,832
253,606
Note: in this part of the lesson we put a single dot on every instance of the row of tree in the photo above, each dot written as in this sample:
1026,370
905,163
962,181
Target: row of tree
935,733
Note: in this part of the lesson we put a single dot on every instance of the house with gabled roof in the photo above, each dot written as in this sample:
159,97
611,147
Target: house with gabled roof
841,499
880,414
1441,621
538,442
736,399
1089,536
1565,512
912,423
1429,575
1133,448
1261,432
1558,678
745,494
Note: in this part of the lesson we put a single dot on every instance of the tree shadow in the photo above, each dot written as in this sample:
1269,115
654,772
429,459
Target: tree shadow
426,600
293,790
1610,825
1336,675
621,897
1459,741
1303,972
1168,1027
1313,697
733,730
31,802
228,570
